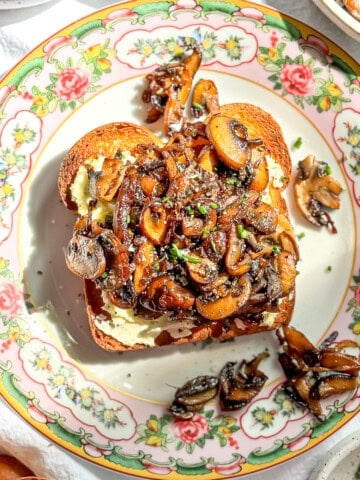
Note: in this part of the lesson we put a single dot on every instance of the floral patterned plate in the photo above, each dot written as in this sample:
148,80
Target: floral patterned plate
112,409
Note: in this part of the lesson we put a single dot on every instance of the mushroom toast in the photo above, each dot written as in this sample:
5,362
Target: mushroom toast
186,238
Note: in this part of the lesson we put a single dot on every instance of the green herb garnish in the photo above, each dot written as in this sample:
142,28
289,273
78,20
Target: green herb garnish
276,249
197,106
327,170
180,254
357,473
298,142
189,210
233,181
202,209
243,233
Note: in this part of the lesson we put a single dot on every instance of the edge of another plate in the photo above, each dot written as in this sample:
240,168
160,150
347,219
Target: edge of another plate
340,17
338,454
17,4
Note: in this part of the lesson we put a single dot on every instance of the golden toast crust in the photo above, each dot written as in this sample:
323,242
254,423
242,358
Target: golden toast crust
108,141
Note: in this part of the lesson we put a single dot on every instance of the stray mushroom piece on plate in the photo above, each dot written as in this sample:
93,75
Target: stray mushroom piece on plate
192,396
316,373
315,191
240,383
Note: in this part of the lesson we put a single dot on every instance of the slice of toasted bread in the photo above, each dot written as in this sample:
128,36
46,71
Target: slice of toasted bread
107,141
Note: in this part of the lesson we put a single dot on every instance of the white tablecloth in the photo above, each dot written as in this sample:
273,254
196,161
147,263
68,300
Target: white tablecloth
20,31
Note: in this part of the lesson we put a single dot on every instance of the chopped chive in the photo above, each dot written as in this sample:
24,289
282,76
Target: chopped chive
327,170
242,232
197,106
179,254
202,209
329,268
300,235
189,210
276,249
214,205
233,181
298,142
128,218
206,232
213,246
193,260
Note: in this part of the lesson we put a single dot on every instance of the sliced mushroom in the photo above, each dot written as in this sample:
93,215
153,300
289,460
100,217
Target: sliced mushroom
226,306
85,257
239,384
215,245
149,185
205,98
301,386
314,189
163,294
192,226
168,89
230,140
192,396
130,196
202,272
109,179
145,260
341,362
262,217
200,221
208,159
240,207
314,374
236,261
153,222
299,346
260,178
123,297
333,384
286,266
